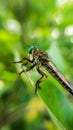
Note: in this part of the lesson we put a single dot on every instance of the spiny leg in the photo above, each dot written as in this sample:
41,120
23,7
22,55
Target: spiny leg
41,79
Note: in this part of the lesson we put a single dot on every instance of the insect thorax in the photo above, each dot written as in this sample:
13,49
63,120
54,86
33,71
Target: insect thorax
40,55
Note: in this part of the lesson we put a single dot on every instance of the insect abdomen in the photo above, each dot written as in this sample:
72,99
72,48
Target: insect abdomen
58,76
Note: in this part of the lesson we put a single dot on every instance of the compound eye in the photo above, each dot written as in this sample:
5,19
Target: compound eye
31,48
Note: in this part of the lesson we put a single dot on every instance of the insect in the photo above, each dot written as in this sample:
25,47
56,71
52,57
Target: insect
39,58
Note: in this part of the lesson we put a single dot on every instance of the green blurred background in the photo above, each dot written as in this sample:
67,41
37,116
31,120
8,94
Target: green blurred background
47,24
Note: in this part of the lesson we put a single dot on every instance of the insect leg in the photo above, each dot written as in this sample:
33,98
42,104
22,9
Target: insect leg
41,79
23,59
27,69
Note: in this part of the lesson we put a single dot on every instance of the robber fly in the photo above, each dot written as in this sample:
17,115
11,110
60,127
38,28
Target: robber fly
39,58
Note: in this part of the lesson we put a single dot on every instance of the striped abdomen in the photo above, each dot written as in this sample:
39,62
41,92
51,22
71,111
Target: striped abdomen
58,76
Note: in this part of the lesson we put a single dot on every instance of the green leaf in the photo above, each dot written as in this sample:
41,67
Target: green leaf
56,102
54,99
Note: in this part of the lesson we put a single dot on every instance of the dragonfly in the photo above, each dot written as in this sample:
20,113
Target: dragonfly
38,58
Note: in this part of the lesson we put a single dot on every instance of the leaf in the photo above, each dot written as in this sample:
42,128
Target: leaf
56,102
54,99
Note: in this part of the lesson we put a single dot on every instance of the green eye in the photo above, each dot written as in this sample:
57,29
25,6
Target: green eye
31,48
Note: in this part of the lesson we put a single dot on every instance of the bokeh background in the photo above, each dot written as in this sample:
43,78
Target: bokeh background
47,24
